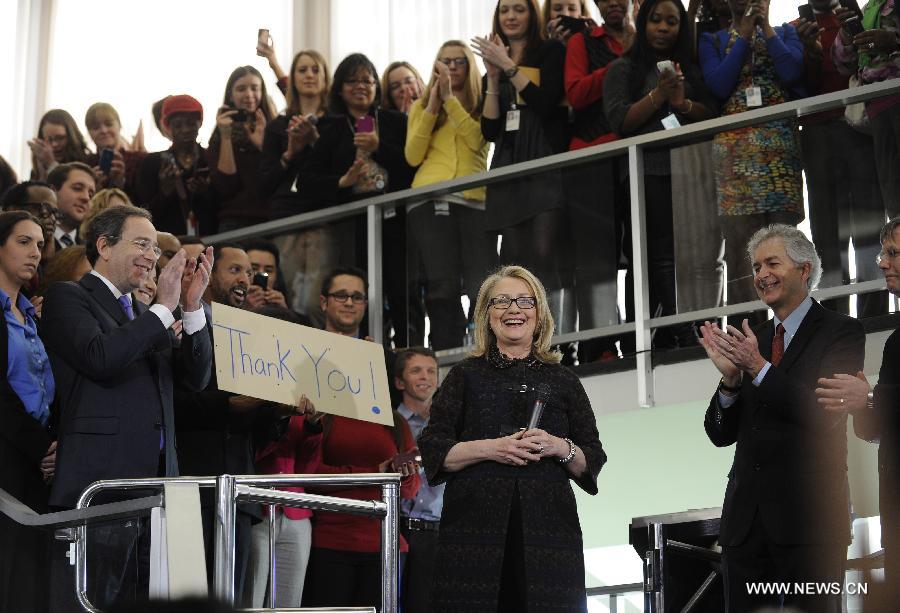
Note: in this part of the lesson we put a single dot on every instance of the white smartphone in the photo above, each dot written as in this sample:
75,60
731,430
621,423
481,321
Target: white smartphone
665,65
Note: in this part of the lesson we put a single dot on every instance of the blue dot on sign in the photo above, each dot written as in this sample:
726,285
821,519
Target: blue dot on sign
376,410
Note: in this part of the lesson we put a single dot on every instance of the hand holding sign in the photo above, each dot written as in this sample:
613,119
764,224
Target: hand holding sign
266,358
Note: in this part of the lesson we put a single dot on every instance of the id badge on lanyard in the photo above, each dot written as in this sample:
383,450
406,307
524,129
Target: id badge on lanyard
753,94
512,118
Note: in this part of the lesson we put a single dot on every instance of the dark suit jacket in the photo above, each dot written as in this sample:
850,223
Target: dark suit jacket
114,381
790,463
884,425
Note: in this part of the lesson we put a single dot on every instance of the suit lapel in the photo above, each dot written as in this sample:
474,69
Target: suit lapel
805,332
104,297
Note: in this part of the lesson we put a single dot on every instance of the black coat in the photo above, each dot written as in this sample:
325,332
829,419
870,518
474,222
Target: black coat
23,443
884,425
335,152
479,400
169,212
114,382
790,463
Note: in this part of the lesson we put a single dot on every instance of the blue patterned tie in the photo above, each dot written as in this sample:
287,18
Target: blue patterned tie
126,306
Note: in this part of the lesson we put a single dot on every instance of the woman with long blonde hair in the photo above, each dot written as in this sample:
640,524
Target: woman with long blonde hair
509,511
444,140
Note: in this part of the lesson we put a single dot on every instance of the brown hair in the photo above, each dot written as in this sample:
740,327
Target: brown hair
76,146
535,35
293,95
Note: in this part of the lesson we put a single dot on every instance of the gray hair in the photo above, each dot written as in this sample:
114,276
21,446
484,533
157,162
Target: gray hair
799,248
887,230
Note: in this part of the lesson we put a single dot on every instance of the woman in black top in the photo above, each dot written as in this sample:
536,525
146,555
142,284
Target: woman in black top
359,155
306,255
524,116
639,98
510,537
174,184
235,149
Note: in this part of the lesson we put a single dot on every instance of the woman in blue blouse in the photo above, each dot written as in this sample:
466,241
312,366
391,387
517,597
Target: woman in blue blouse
26,390
758,181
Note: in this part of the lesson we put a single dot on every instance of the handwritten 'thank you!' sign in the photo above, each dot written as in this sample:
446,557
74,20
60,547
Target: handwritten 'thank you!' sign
276,360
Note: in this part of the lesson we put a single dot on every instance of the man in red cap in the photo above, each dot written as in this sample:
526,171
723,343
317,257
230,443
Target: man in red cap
174,184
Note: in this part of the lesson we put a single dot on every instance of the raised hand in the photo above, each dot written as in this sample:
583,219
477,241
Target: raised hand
708,339
494,54
194,280
168,284
352,175
258,129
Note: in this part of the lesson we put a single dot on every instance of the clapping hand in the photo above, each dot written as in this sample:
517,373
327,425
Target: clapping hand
194,279
494,53
722,362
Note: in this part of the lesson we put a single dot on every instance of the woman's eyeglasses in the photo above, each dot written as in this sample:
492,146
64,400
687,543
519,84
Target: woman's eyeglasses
504,302
459,62
369,82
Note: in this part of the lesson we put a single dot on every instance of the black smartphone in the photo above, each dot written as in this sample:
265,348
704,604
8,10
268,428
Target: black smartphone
240,116
572,24
854,26
806,13
853,5
261,279
106,158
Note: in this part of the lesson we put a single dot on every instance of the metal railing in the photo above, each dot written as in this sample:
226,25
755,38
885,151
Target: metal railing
634,149
230,490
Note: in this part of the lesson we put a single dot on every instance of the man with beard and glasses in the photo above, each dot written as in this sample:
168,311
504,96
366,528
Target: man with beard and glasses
216,429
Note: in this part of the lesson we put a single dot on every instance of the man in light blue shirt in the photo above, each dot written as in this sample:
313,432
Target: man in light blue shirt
415,375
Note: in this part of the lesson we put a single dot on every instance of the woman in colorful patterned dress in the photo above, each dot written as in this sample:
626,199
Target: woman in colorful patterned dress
758,180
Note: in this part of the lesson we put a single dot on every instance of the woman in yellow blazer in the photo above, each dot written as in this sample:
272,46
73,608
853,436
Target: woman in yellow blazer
444,140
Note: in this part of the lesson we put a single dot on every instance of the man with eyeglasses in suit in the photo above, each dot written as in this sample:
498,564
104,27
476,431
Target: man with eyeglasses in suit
876,411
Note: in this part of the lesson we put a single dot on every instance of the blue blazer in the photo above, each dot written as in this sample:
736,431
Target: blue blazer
114,381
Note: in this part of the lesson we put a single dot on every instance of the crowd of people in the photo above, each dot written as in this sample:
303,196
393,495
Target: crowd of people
100,246
554,81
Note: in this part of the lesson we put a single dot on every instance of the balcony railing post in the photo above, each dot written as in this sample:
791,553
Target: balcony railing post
223,576
376,287
642,333
390,537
